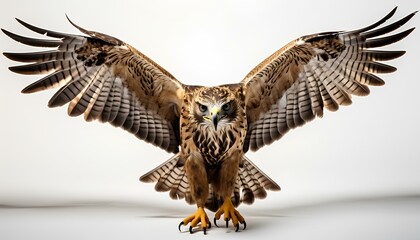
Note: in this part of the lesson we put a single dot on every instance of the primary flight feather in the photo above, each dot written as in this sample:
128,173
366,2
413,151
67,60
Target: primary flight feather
209,129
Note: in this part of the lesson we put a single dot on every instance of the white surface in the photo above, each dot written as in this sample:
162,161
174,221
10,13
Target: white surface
373,219
47,158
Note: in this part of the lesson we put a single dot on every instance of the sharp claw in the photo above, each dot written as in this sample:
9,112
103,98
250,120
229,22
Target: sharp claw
215,223
237,227
191,231
244,225
179,226
227,223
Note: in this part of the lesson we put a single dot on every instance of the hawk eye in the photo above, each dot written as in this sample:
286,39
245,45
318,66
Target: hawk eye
203,108
226,106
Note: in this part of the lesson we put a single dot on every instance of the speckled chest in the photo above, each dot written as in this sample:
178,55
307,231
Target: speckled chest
215,146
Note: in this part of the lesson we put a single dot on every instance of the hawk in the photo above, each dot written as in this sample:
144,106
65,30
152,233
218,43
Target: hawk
208,129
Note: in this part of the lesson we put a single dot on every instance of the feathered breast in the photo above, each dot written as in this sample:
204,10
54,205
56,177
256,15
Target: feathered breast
212,144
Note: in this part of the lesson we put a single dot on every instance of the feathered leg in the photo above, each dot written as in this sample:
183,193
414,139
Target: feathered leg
224,185
199,187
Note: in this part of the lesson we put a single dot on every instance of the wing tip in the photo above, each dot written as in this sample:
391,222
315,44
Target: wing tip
8,54
78,27
380,22
27,90
8,33
32,27
393,11
390,14
400,53
71,22
97,35
22,22
32,88
17,69
146,179
275,188
42,31
380,42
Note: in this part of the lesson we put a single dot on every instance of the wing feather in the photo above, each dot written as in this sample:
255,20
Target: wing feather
105,79
295,84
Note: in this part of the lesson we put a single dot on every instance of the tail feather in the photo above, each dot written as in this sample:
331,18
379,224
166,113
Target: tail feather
180,187
247,194
252,188
254,182
262,178
251,183
170,176
160,171
165,182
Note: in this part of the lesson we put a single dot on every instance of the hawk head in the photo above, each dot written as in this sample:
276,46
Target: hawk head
215,106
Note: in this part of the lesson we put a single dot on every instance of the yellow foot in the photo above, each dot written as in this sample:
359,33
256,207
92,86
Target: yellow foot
229,212
199,216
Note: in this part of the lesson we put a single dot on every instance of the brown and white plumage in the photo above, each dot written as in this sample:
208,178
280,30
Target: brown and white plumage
105,79
208,128
296,83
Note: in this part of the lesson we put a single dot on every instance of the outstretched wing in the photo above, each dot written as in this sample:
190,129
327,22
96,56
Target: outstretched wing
105,79
293,85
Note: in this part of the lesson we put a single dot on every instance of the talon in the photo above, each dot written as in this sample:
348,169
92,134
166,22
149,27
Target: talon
179,226
230,214
215,223
194,219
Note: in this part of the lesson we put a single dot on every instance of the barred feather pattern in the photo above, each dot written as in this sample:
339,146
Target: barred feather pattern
170,176
251,183
296,83
106,80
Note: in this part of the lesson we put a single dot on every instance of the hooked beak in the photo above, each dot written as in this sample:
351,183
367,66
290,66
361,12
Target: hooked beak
214,116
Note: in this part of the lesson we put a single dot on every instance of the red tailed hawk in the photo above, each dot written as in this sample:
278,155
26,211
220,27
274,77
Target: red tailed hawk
208,129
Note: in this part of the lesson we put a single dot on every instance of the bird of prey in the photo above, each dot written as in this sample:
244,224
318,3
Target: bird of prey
208,129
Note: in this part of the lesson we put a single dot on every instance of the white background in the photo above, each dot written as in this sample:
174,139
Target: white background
370,149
